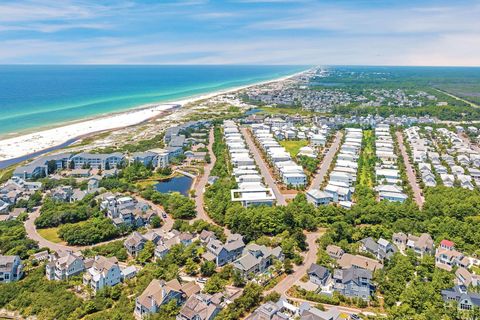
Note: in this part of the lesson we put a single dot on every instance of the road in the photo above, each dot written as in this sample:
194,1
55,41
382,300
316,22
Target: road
58,247
309,258
326,162
412,178
474,105
263,166
202,183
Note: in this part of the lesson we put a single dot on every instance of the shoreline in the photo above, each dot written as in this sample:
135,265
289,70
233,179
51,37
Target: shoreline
26,146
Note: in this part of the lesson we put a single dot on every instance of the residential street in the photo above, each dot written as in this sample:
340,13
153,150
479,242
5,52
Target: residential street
42,242
309,258
201,184
326,162
412,179
263,167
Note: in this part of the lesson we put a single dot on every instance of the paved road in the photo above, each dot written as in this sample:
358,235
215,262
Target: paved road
58,247
474,105
309,258
263,167
326,162
412,179
201,184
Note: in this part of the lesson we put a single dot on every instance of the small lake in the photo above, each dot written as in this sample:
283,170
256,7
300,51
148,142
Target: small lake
180,184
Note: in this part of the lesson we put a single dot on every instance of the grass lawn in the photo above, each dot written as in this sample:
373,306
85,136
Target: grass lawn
293,146
50,234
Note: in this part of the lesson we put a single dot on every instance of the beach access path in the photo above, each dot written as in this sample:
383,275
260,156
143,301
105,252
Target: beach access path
201,183
412,178
326,162
263,167
32,233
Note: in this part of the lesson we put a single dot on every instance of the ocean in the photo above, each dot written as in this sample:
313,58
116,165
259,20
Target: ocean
40,96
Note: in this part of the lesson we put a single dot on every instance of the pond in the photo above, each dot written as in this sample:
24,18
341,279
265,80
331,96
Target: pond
180,184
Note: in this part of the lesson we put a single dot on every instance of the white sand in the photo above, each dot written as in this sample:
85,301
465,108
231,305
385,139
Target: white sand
29,143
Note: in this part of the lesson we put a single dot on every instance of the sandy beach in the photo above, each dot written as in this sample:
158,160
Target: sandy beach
19,146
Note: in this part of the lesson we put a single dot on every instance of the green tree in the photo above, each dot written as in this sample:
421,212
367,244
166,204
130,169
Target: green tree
146,254
208,268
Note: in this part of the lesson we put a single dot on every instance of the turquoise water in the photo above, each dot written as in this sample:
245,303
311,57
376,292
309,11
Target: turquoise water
39,96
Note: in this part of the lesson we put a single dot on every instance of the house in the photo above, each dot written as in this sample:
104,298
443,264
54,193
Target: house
104,272
224,253
466,301
308,312
353,283
319,274
134,243
274,311
11,268
256,259
318,197
157,294
334,252
449,258
381,249
64,267
360,262
420,245
465,278
201,306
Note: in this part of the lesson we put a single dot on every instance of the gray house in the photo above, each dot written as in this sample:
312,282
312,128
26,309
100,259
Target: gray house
11,268
256,259
466,300
319,274
221,253
353,282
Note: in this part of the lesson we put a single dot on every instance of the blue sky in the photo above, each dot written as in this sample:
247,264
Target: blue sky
368,32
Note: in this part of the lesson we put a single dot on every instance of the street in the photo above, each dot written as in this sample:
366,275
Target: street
326,162
412,178
263,167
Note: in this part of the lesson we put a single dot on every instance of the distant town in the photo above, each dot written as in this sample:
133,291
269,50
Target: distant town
305,198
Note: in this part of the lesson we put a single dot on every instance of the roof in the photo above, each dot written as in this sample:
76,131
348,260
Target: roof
318,271
447,243
157,291
349,260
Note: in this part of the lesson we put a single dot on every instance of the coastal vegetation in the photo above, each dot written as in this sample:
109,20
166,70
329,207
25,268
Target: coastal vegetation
92,231
14,241
54,213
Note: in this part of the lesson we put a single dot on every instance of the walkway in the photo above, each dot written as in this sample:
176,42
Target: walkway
412,178
58,247
326,162
310,257
264,169
202,183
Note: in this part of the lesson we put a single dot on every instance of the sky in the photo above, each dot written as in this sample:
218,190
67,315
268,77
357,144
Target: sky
300,32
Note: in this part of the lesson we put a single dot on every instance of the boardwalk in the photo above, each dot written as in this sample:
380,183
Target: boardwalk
326,162
412,178
263,167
